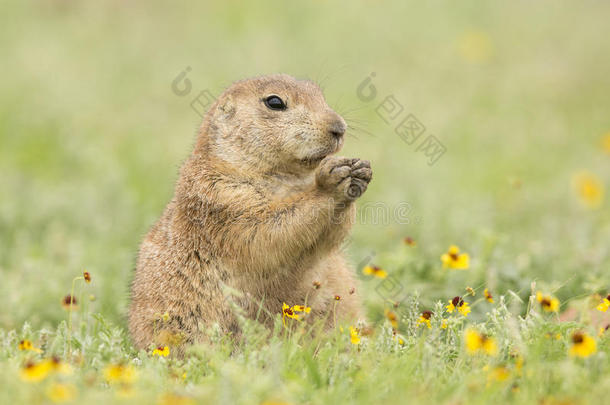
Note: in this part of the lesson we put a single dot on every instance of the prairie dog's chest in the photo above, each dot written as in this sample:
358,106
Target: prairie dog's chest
283,187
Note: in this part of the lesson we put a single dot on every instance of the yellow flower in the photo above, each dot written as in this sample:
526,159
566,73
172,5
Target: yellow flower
444,324
27,345
61,392
547,302
288,312
353,334
488,296
125,391
475,47
392,317
87,277
603,330
35,372
173,399
519,361
480,343
374,271
459,304
605,304
409,241
425,318
453,259
161,351
589,189
291,312
606,143
498,374
301,308
583,345
59,366
471,291
119,373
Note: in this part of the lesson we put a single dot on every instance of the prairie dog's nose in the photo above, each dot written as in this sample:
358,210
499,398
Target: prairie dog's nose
337,127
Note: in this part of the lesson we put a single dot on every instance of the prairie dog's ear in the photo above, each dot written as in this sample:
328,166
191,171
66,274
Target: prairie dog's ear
227,107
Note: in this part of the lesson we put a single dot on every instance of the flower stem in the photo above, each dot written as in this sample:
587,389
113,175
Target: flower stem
70,306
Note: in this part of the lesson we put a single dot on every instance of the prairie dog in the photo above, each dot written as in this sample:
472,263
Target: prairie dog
261,205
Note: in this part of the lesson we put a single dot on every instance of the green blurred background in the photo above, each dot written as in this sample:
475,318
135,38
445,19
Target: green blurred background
92,136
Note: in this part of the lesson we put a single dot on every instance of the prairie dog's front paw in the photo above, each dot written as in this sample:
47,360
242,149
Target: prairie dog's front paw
345,178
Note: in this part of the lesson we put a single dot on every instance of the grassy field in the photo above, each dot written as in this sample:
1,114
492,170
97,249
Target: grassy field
92,132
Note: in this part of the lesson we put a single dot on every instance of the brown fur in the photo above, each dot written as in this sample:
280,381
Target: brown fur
260,207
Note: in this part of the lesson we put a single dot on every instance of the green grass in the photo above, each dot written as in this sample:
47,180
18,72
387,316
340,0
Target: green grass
91,138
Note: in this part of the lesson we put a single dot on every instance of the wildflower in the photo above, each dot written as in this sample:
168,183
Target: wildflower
316,285
605,304
583,345
61,392
409,241
291,312
589,189
460,304
498,374
488,296
353,334
87,277
556,336
477,342
455,260
425,318
69,303
27,345
392,317
161,351
548,303
35,372
59,366
173,399
119,373
475,47
471,291
374,271
606,143
602,330
165,317
287,311
125,391
398,338
337,298
518,361
301,308
444,324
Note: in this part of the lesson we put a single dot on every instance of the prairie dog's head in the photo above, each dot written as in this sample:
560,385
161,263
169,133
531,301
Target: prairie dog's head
274,123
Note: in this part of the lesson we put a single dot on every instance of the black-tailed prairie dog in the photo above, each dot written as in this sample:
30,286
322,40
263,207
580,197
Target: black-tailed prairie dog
262,206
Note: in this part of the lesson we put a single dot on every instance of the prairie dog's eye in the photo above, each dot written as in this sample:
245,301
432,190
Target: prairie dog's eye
275,103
